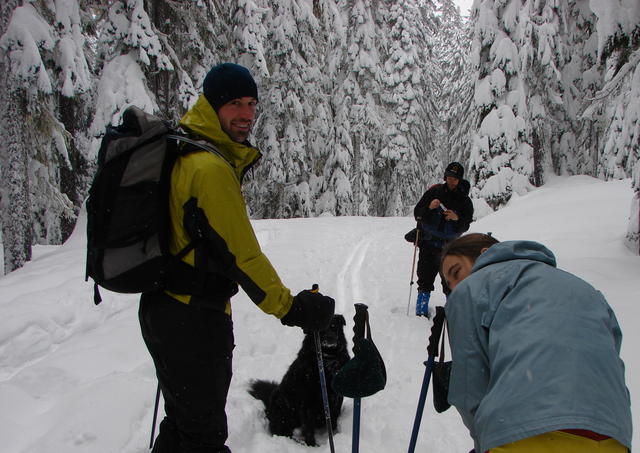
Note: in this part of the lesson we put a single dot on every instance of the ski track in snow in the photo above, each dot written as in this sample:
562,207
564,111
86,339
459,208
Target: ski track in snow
349,278
76,378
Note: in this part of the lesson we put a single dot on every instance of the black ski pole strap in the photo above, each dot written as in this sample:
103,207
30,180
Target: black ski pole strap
436,332
365,373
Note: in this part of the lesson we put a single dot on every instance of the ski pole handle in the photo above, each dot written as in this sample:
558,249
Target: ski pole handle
436,332
359,322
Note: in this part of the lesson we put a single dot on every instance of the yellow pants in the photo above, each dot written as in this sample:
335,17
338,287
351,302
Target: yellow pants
561,442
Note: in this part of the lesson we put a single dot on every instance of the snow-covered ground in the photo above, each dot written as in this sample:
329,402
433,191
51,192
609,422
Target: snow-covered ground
77,378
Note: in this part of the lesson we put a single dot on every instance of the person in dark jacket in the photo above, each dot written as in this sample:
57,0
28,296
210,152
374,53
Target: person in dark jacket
536,352
443,213
190,335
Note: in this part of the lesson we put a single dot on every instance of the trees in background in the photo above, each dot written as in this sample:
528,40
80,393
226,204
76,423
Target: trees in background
362,103
45,94
553,84
556,85
458,115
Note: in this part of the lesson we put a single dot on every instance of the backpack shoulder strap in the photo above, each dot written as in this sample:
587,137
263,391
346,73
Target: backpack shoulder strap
201,145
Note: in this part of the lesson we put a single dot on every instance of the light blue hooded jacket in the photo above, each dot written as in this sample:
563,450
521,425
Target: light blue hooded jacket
535,349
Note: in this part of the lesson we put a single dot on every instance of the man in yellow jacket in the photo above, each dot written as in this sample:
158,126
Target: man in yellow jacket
190,335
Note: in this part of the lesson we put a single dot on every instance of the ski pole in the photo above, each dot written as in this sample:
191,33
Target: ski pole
355,433
323,386
359,321
155,417
413,265
432,351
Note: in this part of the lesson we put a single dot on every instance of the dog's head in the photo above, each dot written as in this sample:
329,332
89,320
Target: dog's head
332,338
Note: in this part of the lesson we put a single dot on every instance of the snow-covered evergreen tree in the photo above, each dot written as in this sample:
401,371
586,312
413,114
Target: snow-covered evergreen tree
15,247
454,99
618,31
618,51
583,74
558,74
356,101
45,93
633,230
291,95
362,103
194,36
527,87
409,154
501,159
128,50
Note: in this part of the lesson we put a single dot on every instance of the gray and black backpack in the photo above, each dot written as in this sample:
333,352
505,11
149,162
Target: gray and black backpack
128,209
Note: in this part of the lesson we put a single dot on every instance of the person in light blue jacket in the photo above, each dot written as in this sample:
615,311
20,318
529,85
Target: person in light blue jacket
536,365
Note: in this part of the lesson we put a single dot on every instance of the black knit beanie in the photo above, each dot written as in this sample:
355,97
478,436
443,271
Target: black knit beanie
226,82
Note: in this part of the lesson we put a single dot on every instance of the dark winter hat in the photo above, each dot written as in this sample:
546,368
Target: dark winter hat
226,82
454,169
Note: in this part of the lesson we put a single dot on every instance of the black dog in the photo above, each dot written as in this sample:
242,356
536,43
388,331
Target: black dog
297,401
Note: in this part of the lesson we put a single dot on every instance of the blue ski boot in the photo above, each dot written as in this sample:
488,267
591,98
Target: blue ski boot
422,304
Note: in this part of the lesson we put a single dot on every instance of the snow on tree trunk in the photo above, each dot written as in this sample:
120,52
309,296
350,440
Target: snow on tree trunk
15,203
628,142
618,100
633,230
44,44
2,269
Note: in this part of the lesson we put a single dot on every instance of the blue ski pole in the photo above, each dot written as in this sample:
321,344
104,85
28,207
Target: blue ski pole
432,351
355,435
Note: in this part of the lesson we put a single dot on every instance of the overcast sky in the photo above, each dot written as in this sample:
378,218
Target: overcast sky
464,6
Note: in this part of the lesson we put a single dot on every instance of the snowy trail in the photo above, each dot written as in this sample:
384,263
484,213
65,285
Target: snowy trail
348,279
77,378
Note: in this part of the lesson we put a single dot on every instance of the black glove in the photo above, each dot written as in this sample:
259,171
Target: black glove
411,236
311,311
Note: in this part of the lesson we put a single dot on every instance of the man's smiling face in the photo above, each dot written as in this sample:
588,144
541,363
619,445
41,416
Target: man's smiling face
237,117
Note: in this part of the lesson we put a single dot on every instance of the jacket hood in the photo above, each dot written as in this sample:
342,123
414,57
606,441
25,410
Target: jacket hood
202,121
464,187
515,250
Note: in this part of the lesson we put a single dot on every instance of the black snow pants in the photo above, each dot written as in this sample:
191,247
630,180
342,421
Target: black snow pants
192,349
428,269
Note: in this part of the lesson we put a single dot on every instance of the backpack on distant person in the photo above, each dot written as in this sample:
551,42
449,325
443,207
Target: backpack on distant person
128,221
